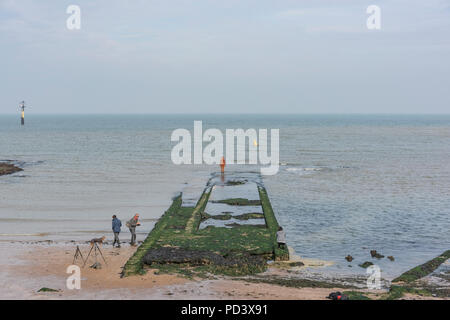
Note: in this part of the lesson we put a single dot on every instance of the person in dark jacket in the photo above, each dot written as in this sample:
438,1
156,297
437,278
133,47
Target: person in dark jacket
116,225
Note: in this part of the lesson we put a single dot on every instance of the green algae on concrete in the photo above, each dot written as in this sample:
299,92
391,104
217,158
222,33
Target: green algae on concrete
228,216
424,269
397,292
134,264
356,295
280,254
234,251
295,282
238,202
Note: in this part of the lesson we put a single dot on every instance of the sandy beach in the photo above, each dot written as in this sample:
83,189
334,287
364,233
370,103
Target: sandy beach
30,267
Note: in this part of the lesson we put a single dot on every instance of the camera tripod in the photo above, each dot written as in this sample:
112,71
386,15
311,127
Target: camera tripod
96,252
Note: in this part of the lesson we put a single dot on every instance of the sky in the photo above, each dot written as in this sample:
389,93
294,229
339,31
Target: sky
225,56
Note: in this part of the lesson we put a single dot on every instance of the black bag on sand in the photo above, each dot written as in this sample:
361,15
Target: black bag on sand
337,296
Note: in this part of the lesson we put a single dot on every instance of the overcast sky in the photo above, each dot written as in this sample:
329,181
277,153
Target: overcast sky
234,56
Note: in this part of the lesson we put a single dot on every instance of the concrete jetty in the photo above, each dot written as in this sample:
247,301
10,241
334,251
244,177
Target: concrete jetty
231,229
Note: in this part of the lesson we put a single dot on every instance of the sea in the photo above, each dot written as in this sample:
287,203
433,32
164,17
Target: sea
347,184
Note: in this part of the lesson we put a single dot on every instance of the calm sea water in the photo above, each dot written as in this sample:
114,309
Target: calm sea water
347,184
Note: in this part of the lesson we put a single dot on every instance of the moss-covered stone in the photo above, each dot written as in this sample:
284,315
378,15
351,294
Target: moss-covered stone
247,216
280,254
235,182
45,289
424,269
295,282
228,216
239,202
397,292
366,264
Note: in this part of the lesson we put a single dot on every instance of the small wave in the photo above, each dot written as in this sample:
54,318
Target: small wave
304,169
289,164
22,163
41,234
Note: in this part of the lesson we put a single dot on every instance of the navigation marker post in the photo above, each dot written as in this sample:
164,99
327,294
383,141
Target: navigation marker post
22,107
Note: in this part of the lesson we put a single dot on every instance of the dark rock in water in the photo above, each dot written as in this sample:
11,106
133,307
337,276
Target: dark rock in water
7,168
236,182
375,254
221,217
366,264
391,258
349,258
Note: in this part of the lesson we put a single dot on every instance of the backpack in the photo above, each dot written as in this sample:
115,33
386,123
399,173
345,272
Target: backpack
337,296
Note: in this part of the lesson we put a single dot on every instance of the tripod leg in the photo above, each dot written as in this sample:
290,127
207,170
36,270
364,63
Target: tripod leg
101,254
77,255
88,256
81,255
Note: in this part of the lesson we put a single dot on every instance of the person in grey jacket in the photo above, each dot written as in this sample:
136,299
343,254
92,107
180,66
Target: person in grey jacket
281,238
132,224
116,225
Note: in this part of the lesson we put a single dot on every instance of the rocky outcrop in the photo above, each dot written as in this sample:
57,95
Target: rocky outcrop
7,168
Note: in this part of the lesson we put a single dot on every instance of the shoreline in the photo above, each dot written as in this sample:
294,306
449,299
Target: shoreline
26,268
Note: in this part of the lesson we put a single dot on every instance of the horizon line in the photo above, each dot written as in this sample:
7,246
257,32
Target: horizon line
227,113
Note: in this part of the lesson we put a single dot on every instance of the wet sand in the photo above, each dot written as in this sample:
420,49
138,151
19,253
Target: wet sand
29,267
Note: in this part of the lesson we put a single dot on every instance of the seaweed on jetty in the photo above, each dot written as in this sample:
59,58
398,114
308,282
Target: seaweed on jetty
228,216
396,292
239,202
366,264
134,264
424,269
232,263
177,240
248,216
235,182
280,254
